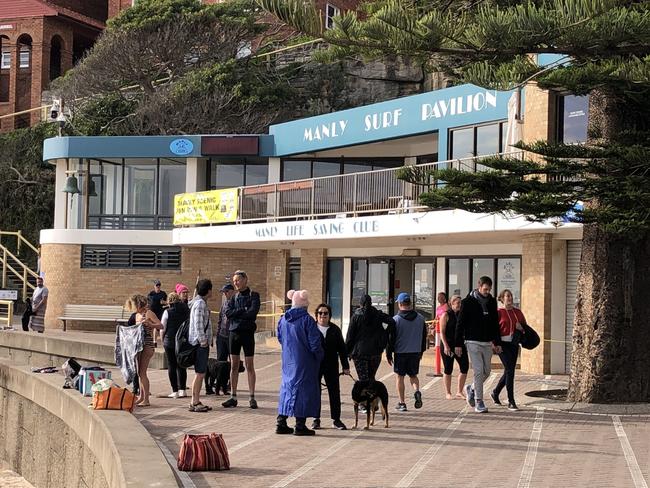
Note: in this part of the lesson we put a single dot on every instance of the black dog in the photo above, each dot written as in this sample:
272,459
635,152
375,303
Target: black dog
371,394
217,377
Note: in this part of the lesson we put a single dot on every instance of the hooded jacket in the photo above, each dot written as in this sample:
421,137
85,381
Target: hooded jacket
475,324
410,334
366,335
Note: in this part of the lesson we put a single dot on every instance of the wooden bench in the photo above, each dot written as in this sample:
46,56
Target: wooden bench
94,313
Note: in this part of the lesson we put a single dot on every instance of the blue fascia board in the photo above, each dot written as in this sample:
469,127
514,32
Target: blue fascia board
435,111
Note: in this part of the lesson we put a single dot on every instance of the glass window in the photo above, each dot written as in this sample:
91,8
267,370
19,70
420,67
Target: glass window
482,267
335,288
356,167
226,174
424,288
359,281
326,168
257,174
487,139
331,12
24,57
509,277
378,283
462,143
296,170
110,190
140,186
171,182
5,59
458,277
574,119
294,274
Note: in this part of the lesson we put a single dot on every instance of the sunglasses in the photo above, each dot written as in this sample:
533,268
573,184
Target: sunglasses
323,313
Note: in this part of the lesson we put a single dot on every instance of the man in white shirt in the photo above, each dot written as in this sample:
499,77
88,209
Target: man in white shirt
199,335
39,306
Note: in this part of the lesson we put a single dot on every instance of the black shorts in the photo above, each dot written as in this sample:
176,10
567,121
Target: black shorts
201,362
239,340
407,363
448,361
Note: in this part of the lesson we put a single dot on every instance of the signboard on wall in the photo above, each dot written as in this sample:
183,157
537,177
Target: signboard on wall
8,294
206,207
509,277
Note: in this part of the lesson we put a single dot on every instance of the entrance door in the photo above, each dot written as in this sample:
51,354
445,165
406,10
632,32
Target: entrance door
379,285
424,279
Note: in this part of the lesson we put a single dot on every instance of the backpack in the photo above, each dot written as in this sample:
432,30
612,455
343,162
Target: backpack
185,352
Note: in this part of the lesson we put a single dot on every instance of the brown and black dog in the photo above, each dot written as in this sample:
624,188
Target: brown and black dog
372,394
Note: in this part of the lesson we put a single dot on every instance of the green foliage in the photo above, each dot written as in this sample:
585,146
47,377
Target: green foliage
26,183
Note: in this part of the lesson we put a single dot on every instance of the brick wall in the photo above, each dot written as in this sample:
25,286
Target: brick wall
539,114
313,270
277,279
70,284
536,269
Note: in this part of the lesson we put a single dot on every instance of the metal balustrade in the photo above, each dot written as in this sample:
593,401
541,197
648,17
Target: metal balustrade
130,222
355,194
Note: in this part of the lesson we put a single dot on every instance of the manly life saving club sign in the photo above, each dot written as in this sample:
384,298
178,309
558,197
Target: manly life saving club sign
428,112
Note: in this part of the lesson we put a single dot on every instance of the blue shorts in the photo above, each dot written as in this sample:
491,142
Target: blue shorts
407,363
201,363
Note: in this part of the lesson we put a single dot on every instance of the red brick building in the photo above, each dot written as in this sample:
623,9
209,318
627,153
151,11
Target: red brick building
39,41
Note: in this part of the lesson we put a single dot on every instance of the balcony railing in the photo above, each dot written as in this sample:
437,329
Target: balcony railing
355,194
131,222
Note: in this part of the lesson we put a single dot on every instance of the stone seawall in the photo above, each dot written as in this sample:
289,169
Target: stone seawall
51,438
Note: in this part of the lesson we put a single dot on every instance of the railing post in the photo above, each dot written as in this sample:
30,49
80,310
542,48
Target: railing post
4,268
354,196
19,238
24,284
311,196
10,316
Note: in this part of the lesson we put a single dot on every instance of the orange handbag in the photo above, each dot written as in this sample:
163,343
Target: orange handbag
114,399
205,452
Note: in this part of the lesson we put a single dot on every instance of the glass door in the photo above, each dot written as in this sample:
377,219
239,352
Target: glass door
379,285
424,288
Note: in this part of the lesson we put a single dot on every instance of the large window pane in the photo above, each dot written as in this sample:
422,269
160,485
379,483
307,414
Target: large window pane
378,283
172,182
487,142
423,288
509,277
482,267
462,146
458,277
296,170
326,168
359,281
574,119
140,186
226,174
335,288
257,173
357,167
110,190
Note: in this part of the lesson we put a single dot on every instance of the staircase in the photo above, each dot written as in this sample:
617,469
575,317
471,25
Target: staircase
15,273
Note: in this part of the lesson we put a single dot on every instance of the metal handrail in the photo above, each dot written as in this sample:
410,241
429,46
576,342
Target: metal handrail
23,277
19,235
8,320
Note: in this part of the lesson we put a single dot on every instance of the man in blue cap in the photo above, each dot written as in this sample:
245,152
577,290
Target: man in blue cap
408,342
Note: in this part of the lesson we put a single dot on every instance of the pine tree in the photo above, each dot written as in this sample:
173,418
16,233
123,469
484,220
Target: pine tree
604,49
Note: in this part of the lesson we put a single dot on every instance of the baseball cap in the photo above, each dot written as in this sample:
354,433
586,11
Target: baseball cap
227,287
403,298
156,282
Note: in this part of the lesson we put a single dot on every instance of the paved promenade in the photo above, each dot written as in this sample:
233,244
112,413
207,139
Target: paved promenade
443,444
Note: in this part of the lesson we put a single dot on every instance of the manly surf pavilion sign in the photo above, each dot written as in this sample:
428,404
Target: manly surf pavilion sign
402,117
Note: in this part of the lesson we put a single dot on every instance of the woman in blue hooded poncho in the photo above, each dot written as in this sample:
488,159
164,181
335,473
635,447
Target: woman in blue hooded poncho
302,352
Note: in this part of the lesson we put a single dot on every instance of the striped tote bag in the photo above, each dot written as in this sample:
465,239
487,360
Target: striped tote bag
203,452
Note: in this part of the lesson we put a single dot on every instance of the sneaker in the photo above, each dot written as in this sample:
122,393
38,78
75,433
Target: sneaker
339,425
304,431
469,395
181,394
283,429
480,407
512,406
230,403
251,403
401,407
173,394
495,398
418,399
315,424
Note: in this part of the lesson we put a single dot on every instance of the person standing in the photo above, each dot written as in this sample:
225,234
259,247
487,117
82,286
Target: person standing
223,332
302,353
367,338
511,319
157,300
39,306
241,311
199,335
177,313
478,328
334,351
448,321
408,341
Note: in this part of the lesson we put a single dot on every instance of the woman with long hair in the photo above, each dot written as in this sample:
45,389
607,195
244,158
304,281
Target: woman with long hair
138,304
172,318
448,321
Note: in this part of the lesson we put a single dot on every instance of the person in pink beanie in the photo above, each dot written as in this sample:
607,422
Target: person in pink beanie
302,353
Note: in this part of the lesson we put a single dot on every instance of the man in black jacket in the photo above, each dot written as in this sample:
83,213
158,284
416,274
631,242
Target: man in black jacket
478,328
241,311
367,338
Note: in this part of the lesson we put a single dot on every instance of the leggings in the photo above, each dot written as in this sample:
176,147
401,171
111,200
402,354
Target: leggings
334,392
509,359
367,366
177,375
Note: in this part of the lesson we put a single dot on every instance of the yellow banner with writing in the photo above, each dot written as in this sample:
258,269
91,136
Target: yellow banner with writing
206,207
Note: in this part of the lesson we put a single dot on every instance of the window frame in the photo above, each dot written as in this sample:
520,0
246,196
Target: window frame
24,49
329,19
342,162
502,123
5,55
245,161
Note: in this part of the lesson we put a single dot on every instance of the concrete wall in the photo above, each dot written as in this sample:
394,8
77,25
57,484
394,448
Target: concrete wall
51,437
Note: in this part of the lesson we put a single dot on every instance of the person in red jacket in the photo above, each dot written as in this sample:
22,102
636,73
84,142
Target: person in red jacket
510,321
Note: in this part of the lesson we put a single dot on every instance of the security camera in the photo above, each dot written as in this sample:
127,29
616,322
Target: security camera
55,109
